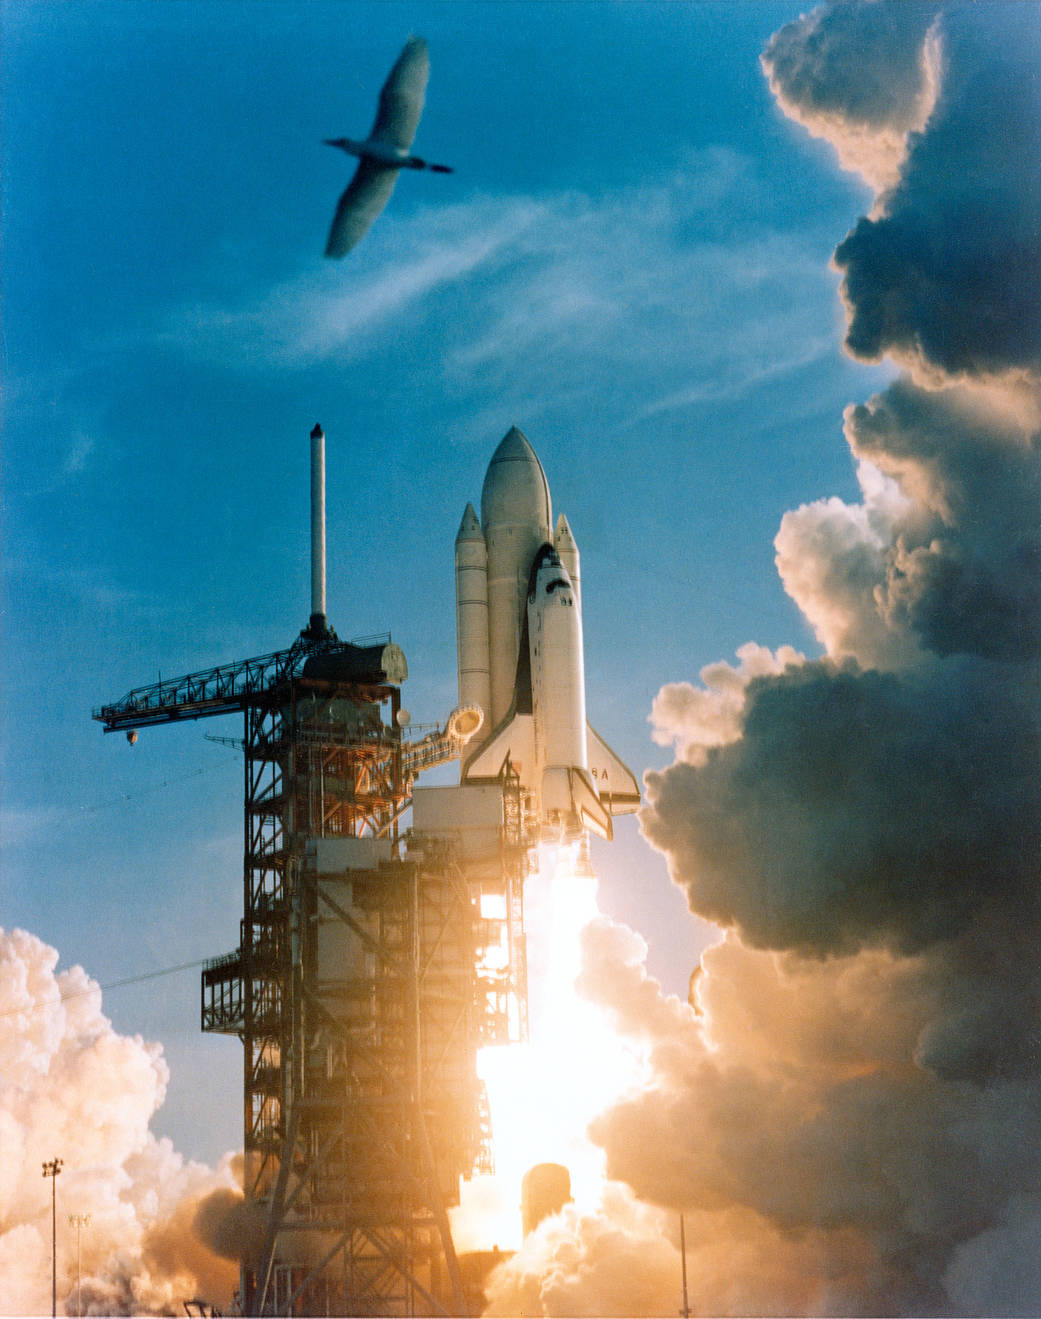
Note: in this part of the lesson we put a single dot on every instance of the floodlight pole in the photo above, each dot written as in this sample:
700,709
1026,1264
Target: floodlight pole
78,1221
51,1170
685,1312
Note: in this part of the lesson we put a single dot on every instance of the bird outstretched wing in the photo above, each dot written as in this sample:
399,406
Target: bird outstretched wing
366,195
402,97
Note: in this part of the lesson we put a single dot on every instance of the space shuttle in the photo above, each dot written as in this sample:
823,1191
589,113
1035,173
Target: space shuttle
519,634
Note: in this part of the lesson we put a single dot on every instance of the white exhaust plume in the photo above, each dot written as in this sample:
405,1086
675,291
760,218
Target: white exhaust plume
71,1087
847,1111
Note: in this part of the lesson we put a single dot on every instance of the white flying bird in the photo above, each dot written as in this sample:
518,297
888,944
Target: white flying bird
385,151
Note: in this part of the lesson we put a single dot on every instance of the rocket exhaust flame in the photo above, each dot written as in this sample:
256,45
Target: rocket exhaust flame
521,662
544,1094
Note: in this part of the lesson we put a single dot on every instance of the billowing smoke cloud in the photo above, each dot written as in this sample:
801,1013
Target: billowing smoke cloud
944,555
861,75
946,277
861,807
72,1088
943,276
796,1119
617,1260
847,1111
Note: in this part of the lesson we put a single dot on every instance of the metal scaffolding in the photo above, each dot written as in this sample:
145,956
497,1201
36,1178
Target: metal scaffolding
363,984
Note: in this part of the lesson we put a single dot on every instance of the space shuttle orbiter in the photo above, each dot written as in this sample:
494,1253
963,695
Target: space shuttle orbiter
519,633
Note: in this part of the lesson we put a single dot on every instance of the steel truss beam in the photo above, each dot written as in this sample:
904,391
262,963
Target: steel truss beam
361,1104
360,1004
222,689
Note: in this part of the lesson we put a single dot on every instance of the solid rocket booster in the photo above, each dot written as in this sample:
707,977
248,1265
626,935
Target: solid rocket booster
471,613
519,635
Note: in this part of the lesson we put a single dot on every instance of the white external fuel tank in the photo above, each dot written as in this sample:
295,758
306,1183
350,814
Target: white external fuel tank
516,521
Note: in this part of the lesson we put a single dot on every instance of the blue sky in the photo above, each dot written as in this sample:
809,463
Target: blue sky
631,263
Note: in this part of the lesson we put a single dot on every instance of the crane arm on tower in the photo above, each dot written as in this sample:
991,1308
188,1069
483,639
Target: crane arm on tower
230,687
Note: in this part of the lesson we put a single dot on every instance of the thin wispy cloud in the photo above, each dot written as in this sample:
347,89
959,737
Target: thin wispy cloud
616,301
580,293
736,383
77,454
323,313
19,825
89,586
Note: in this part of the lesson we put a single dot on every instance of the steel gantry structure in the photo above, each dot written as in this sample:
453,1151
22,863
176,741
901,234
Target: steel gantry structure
371,967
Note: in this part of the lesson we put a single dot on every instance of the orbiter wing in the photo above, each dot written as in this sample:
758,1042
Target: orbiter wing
614,780
514,738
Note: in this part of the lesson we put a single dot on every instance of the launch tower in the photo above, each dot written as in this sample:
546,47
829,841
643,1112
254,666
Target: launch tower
370,966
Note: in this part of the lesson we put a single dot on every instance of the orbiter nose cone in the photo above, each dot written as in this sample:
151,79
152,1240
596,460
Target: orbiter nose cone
515,488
